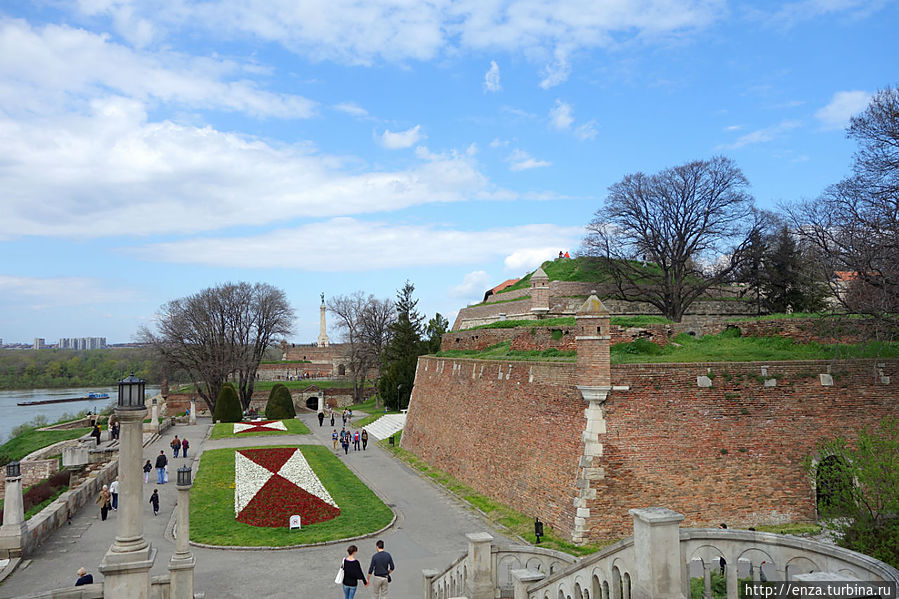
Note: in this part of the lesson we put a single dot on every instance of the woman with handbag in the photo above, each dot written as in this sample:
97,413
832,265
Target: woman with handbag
104,500
350,573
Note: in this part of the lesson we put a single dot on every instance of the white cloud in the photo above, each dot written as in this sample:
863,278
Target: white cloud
586,131
761,135
791,13
530,258
841,108
491,78
545,31
519,160
84,175
499,143
44,69
365,245
561,115
45,292
401,139
473,284
352,109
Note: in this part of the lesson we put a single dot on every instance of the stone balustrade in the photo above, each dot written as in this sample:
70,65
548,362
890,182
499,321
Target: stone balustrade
658,561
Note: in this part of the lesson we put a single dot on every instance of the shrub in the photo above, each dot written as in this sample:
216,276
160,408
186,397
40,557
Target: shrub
227,405
280,404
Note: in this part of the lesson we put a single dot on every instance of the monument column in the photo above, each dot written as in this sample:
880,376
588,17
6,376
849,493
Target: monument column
12,533
126,565
182,563
154,418
322,329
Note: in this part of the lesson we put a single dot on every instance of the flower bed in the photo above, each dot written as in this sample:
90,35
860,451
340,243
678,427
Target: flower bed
260,426
271,485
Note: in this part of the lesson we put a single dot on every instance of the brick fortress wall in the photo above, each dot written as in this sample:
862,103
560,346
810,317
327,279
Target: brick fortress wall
732,452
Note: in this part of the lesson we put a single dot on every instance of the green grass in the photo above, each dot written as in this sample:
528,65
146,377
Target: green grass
790,316
212,518
513,521
621,321
792,528
728,346
32,440
225,430
503,351
502,301
566,269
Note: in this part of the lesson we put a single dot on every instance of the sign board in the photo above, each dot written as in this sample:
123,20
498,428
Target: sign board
294,522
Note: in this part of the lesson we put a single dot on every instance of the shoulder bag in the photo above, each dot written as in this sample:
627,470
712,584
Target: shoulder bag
339,578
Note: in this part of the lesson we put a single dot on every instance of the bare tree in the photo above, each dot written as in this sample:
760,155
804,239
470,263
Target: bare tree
668,238
855,224
220,332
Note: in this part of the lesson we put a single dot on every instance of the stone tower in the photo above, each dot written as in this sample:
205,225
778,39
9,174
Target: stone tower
322,328
539,293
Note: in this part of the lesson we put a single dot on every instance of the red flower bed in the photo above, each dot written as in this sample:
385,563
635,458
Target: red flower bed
260,427
279,499
270,459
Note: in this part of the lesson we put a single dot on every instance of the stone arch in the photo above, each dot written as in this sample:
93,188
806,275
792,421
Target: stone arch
626,586
800,565
578,594
535,563
312,402
596,584
605,590
761,560
616,583
554,567
504,568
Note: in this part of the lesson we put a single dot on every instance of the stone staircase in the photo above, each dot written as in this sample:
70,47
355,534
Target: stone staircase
386,425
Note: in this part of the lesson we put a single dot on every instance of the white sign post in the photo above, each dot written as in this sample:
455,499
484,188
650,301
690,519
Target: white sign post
295,522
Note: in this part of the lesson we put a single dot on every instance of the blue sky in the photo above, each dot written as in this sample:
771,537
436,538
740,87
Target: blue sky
150,149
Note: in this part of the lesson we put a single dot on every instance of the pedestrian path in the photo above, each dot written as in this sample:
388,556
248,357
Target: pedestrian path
386,425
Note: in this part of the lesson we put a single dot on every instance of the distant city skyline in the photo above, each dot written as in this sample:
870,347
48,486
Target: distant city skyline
153,149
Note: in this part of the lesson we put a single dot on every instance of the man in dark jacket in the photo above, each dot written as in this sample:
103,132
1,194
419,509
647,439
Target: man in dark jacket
161,463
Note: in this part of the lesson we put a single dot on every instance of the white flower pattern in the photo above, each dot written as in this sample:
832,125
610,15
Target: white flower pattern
250,477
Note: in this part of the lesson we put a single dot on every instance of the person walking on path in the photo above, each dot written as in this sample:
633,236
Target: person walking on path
84,578
352,573
321,418
161,463
379,571
334,437
332,416
154,499
176,446
95,433
148,467
345,443
184,446
114,491
364,439
356,441
103,499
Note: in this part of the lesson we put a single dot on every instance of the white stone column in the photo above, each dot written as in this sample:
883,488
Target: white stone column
193,411
428,589
154,418
126,565
480,566
658,572
181,565
14,528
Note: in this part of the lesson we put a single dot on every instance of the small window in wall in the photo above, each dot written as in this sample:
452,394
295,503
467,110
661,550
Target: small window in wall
341,369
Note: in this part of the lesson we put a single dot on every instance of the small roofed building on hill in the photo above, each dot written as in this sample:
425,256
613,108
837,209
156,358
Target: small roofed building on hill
500,287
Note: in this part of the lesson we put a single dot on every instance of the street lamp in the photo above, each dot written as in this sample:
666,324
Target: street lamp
184,476
13,469
131,393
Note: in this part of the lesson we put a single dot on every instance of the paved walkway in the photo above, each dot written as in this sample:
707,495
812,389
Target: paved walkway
429,533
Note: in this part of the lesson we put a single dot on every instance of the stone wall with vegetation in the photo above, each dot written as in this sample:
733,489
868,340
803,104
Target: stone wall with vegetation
730,452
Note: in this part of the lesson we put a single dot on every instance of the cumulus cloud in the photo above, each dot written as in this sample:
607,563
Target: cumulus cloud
519,160
352,109
561,115
473,284
365,245
491,78
528,259
45,292
842,107
763,135
586,131
401,139
556,72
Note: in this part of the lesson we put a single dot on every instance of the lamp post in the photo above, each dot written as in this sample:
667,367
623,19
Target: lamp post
182,563
154,416
14,527
126,565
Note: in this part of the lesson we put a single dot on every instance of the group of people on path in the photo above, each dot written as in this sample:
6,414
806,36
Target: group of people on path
347,416
379,570
345,438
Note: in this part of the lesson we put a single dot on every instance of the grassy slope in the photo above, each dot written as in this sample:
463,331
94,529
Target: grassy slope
225,430
503,351
32,440
212,518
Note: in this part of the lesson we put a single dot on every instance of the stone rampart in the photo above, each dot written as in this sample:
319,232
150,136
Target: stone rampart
718,442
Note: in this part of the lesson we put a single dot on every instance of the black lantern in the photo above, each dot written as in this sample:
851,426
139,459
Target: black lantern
184,476
131,393
13,469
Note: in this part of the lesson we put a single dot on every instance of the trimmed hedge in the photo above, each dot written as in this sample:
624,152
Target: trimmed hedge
227,405
280,404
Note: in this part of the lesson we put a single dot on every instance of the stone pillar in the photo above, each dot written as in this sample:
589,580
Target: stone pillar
126,565
193,411
154,417
14,528
181,565
428,589
521,579
539,293
658,571
322,329
480,566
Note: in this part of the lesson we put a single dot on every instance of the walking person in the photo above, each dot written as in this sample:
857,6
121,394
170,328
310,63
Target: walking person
103,500
161,463
346,444
184,446
114,491
334,437
356,441
148,467
95,433
321,419
352,573
176,446
154,499
364,439
379,571
331,412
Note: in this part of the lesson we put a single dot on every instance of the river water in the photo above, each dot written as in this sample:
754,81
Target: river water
12,415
